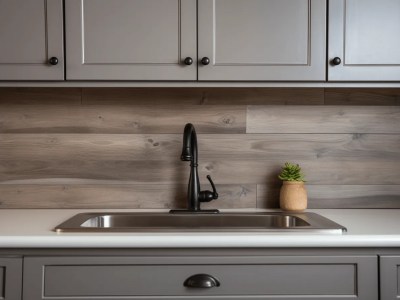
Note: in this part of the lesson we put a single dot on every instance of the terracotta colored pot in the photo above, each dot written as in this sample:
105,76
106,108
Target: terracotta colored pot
293,196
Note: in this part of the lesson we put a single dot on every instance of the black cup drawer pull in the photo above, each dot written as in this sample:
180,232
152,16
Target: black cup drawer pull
201,281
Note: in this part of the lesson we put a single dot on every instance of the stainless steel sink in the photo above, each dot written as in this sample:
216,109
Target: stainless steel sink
234,222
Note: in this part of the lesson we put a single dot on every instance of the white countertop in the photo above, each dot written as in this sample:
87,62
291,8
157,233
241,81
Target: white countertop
33,228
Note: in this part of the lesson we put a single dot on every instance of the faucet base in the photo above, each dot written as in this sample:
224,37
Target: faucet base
186,211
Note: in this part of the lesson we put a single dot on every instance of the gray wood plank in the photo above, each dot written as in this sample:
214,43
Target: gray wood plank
336,196
121,119
237,159
390,97
38,96
73,171
203,96
323,119
142,96
120,196
274,148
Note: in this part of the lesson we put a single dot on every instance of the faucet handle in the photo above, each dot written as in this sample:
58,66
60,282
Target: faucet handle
215,194
207,196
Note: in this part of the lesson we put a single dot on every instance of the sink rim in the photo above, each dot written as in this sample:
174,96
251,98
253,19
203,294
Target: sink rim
317,223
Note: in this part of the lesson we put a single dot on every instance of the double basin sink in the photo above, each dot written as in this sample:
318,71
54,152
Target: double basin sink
223,222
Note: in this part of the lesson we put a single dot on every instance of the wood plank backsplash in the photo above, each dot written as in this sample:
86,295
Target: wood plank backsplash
120,147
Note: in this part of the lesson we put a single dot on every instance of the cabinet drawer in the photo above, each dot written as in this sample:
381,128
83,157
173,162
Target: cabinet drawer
239,277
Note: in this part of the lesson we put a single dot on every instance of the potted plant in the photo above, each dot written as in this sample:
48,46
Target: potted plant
293,195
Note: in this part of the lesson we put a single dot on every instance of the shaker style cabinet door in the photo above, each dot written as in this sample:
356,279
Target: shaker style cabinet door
364,40
31,40
131,39
10,278
262,40
390,277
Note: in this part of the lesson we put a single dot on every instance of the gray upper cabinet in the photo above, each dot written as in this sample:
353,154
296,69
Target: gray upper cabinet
364,34
131,39
256,40
10,278
31,33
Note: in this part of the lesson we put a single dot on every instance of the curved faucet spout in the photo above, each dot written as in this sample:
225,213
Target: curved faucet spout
189,149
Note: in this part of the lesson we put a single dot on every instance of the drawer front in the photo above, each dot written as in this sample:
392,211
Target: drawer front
239,277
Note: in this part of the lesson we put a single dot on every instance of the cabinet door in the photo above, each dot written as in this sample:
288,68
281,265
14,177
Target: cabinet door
130,39
365,35
241,278
31,32
10,278
390,277
262,39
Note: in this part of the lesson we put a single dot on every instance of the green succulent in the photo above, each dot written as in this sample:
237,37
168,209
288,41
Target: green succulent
291,172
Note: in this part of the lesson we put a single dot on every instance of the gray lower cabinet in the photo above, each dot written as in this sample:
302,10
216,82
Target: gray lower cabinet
390,277
10,278
364,35
31,34
262,40
249,277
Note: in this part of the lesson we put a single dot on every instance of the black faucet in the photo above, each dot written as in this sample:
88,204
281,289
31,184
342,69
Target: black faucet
195,195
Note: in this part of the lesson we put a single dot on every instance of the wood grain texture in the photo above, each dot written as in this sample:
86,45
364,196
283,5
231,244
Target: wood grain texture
323,119
121,119
40,96
264,96
203,96
142,96
363,148
362,97
119,196
337,196
232,159
121,147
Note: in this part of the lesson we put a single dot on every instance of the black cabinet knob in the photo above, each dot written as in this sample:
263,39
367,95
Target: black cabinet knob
188,61
205,61
53,61
336,61
201,281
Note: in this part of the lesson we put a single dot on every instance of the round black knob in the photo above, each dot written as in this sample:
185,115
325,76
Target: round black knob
53,61
205,61
188,61
336,61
